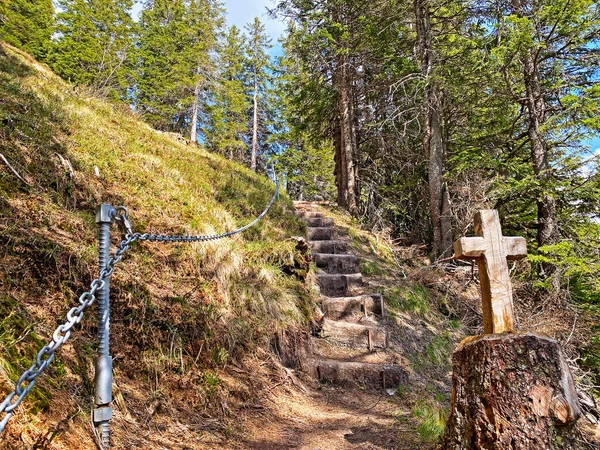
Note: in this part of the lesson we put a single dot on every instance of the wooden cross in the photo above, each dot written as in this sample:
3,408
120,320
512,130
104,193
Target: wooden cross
491,250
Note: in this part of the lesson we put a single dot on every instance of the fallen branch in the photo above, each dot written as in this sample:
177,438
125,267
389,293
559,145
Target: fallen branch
13,169
450,258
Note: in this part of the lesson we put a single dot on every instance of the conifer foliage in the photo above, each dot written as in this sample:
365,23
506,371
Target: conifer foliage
27,24
228,114
95,44
259,81
174,61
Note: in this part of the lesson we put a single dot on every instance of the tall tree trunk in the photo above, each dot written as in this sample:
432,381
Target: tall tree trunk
341,180
346,136
195,106
536,107
433,138
194,131
254,126
345,143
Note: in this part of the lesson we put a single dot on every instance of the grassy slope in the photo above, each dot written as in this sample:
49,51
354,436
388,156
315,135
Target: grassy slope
184,316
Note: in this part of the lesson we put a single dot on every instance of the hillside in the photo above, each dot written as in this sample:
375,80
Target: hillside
180,312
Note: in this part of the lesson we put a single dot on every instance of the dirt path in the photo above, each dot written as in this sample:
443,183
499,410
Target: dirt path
331,418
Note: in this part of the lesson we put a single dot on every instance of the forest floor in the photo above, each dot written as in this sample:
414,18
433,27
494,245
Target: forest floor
332,418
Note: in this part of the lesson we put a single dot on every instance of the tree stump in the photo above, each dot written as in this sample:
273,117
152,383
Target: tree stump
511,391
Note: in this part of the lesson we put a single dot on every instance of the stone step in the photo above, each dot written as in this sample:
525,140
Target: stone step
337,263
353,308
319,221
332,247
320,233
354,334
309,202
309,214
306,209
339,285
327,349
386,376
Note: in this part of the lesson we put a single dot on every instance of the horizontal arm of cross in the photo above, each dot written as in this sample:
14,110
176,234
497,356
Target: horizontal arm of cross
474,247
516,247
469,247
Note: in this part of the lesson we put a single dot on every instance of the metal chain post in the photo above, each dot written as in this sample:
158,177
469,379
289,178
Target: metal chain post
45,356
105,215
99,289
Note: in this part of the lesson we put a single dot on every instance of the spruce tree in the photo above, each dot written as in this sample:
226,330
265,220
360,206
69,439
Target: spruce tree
95,44
204,21
259,82
228,115
160,47
27,24
175,67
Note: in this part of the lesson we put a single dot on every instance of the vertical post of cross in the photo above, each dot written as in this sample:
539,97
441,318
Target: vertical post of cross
105,215
491,250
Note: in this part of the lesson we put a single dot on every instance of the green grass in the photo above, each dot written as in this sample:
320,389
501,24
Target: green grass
20,345
371,268
437,353
410,298
431,419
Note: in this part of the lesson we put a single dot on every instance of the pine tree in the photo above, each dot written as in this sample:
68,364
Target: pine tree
27,24
175,64
228,115
160,47
95,44
259,81
328,39
203,20
305,158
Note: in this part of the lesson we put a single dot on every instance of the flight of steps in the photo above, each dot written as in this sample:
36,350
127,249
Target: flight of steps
350,346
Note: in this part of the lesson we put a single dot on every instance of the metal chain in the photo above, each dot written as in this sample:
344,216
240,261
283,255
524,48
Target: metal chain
61,335
45,356
123,216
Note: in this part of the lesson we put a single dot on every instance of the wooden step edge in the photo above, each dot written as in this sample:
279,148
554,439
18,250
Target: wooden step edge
366,304
355,333
386,376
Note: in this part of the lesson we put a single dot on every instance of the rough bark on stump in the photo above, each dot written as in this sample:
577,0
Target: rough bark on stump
511,391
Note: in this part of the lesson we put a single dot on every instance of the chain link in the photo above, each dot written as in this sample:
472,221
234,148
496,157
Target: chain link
210,237
45,356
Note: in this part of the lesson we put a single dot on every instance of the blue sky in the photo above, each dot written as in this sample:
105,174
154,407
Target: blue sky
595,145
